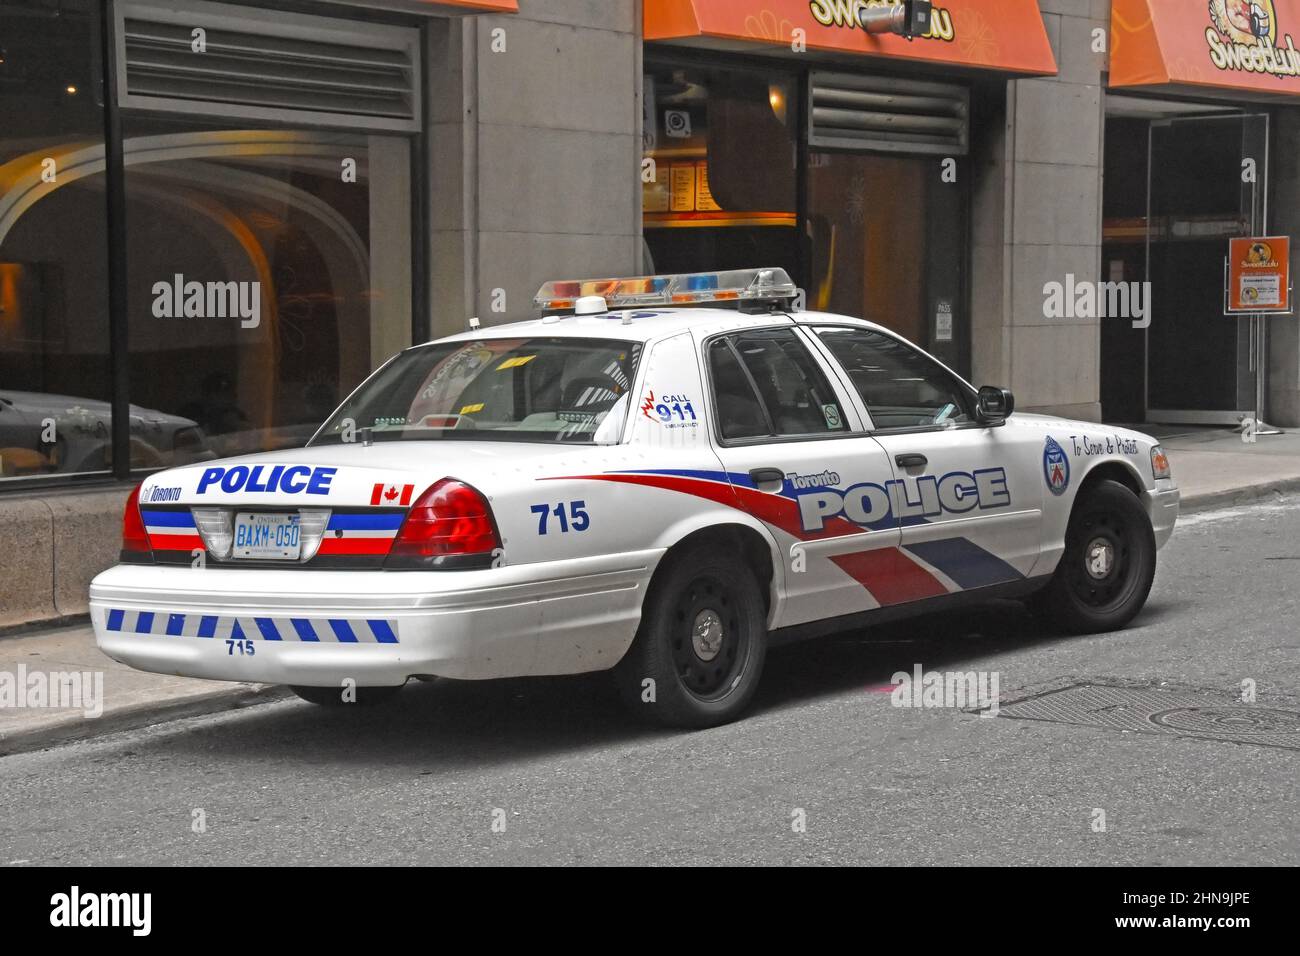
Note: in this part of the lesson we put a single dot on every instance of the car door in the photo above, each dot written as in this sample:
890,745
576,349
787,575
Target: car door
968,498
796,452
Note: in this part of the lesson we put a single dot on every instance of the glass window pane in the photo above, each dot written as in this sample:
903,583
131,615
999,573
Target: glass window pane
55,383
570,390
269,274
902,388
796,394
888,246
723,146
740,414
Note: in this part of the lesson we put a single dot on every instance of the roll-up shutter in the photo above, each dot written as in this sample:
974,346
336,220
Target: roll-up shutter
892,115
255,65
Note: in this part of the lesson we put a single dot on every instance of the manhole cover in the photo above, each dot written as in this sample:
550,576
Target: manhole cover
1148,710
1241,721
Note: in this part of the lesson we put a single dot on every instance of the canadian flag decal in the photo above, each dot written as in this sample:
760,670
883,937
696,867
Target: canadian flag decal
383,494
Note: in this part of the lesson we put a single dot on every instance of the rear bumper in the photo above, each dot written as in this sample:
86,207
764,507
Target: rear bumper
377,628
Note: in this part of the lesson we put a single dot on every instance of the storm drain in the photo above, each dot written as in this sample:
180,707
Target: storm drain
1149,710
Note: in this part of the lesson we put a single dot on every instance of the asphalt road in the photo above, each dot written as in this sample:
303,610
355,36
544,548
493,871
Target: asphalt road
576,781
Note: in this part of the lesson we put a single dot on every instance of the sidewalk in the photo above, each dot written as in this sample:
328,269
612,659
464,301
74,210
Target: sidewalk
1213,467
128,698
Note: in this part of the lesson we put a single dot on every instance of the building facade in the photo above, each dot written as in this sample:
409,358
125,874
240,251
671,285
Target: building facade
217,218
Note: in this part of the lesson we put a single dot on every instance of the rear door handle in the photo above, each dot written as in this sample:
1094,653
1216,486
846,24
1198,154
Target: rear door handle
763,476
911,461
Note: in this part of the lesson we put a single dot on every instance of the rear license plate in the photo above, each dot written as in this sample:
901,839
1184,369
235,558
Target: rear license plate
267,537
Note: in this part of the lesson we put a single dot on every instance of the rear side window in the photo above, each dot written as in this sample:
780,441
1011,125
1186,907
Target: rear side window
766,384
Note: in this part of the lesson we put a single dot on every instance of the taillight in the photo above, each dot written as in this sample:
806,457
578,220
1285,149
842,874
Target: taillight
450,525
135,539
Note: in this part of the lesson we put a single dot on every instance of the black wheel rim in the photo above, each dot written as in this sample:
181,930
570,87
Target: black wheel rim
710,643
1102,556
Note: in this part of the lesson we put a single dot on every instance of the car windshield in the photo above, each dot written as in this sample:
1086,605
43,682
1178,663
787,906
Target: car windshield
572,390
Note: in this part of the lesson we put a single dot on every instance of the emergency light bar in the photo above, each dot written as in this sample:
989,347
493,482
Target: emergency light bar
696,288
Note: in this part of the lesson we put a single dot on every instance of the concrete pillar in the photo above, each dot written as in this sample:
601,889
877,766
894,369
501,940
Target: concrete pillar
536,154
1037,219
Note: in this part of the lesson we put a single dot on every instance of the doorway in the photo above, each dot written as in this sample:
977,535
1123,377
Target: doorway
1171,206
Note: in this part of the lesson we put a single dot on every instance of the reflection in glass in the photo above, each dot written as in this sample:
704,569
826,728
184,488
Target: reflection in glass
54,373
269,273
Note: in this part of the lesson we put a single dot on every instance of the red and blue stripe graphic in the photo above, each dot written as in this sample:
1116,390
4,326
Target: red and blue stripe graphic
346,534
891,575
171,530
361,534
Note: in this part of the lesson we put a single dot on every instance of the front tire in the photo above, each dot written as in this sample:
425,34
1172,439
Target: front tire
1108,566
333,696
699,652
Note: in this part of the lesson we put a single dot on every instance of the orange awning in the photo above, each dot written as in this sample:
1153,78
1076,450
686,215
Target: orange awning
1234,44
479,6
990,34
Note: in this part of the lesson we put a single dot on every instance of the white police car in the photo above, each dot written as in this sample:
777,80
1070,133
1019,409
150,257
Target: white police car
661,490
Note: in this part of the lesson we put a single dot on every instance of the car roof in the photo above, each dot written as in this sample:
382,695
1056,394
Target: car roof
648,325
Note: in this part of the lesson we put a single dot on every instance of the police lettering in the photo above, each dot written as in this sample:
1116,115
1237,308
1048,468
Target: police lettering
285,479
870,504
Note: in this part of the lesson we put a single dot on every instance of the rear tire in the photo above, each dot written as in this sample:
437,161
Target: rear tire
699,651
1109,563
333,696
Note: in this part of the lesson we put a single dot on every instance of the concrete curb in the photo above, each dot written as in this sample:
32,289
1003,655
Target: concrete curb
145,715
1250,494
32,628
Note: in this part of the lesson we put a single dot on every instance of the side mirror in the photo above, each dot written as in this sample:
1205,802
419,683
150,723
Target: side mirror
995,405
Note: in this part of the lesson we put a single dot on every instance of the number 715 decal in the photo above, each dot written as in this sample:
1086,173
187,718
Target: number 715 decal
571,517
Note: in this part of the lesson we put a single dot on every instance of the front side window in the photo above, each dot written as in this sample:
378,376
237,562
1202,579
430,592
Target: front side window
533,389
794,398
901,386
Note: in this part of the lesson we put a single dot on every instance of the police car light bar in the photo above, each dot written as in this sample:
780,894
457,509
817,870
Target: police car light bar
738,285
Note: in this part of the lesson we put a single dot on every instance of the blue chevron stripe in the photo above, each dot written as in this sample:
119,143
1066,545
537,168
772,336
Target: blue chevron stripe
305,630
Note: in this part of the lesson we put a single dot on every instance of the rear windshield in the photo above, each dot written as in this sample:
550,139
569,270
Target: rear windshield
537,390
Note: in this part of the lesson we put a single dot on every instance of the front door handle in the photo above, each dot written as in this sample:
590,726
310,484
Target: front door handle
911,461
763,476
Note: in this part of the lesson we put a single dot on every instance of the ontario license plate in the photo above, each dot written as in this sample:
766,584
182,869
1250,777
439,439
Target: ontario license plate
267,537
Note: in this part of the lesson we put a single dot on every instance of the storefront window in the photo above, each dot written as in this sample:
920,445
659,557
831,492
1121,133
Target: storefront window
882,235
724,192
887,246
54,370
269,273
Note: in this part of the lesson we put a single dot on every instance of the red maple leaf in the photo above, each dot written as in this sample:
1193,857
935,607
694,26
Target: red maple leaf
390,494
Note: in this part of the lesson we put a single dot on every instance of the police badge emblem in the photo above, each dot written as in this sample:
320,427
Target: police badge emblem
1056,467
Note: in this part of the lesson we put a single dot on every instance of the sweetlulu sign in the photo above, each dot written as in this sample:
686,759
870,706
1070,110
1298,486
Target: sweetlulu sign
1236,44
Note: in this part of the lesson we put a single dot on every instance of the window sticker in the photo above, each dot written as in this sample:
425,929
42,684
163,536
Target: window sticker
515,362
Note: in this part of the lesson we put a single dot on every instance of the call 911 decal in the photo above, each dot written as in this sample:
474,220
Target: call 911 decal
1056,467
671,411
